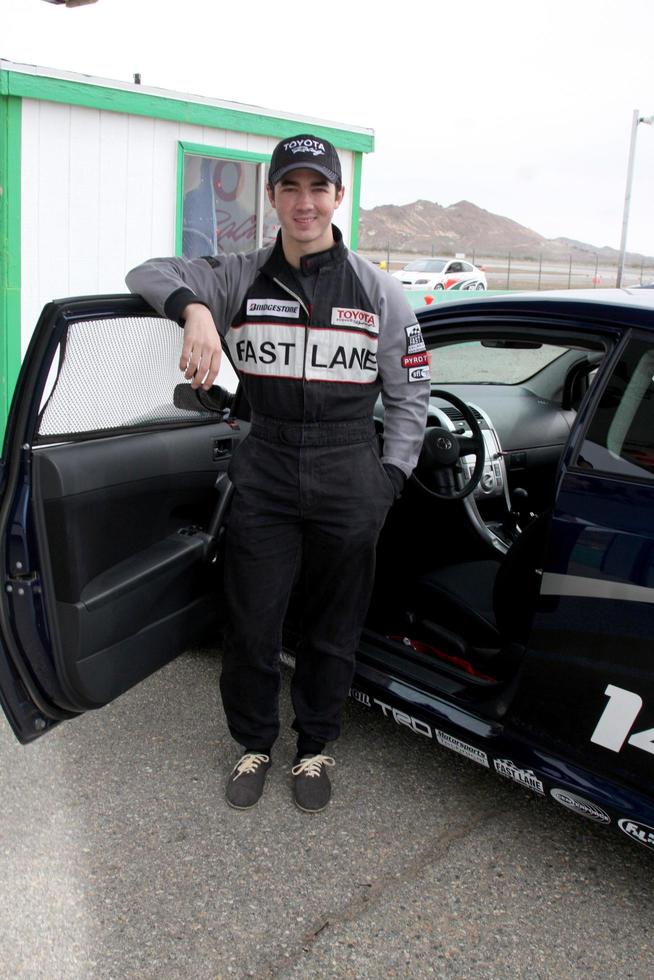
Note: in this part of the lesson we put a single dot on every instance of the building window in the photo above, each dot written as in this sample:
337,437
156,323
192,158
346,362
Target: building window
224,204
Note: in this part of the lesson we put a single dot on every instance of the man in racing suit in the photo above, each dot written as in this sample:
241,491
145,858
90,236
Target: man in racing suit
316,334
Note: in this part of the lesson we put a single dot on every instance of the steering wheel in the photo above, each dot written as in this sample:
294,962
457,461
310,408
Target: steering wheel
441,451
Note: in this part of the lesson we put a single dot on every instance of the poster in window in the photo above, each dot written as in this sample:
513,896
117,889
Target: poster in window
219,206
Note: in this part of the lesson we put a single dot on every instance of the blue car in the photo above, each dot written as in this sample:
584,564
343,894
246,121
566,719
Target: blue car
513,615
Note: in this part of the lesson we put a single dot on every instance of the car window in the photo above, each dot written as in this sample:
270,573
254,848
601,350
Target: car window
115,374
470,363
620,437
425,265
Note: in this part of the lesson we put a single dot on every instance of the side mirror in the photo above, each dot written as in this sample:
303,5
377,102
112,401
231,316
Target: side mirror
216,400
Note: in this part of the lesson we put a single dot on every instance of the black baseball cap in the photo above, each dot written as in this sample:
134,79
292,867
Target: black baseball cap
308,151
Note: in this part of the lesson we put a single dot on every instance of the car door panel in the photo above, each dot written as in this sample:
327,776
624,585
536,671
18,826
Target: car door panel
114,517
108,491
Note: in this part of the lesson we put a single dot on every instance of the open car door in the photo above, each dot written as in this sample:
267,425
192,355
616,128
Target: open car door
108,488
588,683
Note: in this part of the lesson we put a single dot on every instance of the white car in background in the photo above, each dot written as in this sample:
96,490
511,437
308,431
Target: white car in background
440,273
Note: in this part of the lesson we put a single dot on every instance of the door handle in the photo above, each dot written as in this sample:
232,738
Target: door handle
221,448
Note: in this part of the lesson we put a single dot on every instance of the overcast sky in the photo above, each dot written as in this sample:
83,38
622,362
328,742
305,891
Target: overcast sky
523,108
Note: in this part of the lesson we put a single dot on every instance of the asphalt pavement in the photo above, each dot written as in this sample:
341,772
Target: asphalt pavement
121,860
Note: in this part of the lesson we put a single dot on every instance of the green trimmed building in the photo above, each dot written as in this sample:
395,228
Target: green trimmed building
96,176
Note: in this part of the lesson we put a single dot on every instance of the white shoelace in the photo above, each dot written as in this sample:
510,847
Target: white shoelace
311,766
249,763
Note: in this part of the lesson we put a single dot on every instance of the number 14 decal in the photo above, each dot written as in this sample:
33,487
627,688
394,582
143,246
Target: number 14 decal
617,720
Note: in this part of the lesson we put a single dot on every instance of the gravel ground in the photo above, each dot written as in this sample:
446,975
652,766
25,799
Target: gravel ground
120,858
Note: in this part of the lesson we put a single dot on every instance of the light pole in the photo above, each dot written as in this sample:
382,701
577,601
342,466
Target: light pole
637,118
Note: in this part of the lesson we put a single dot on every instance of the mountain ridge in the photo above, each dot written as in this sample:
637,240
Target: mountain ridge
428,227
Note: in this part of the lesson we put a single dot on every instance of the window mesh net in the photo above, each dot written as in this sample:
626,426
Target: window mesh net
115,374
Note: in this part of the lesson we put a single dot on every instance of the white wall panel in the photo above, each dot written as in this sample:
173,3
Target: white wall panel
53,193
84,183
164,182
99,195
112,180
140,191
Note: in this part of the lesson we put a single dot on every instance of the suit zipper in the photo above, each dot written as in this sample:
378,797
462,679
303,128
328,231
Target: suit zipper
306,327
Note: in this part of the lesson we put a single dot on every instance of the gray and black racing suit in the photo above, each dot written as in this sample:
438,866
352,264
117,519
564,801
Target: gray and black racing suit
314,348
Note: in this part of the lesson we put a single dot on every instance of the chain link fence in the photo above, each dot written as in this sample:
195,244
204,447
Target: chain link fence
591,271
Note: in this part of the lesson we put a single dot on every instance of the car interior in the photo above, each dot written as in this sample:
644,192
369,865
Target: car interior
460,557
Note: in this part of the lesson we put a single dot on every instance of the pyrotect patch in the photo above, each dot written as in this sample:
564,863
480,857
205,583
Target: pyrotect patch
273,307
416,360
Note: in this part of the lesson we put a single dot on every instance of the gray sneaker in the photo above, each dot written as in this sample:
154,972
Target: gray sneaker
246,780
311,786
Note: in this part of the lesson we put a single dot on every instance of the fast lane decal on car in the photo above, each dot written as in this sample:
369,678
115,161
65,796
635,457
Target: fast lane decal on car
525,777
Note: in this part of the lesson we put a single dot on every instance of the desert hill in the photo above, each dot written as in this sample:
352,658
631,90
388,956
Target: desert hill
426,227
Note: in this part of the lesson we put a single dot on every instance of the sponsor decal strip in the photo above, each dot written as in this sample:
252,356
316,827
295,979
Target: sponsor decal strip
594,588
462,748
640,832
415,342
419,374
363,319
306,146
273,307
585,808
415,360
524,777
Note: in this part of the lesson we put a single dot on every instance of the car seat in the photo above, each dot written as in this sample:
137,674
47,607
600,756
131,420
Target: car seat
483,610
